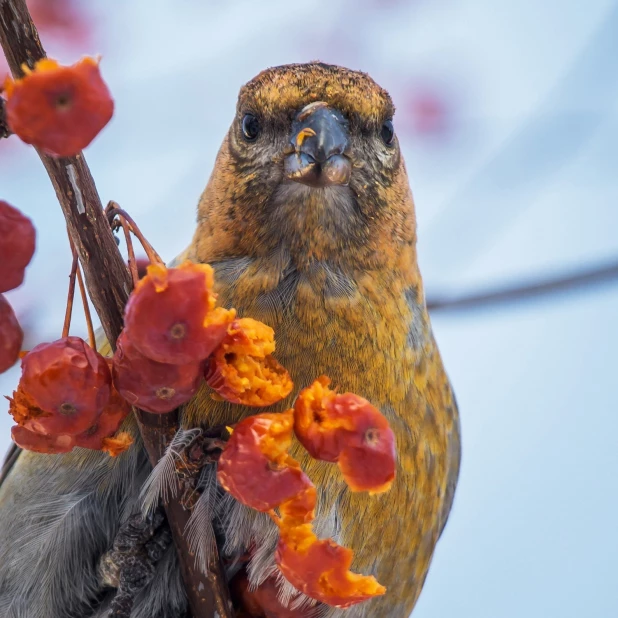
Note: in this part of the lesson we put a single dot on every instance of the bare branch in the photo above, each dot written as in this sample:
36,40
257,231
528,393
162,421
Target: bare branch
600,274
4,127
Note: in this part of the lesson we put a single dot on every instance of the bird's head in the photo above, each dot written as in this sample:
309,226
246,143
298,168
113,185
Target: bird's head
312,164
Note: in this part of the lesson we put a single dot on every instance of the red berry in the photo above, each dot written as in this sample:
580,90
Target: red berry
11,336
264,600
255,467
152,386
39,443
106,425
171,315
371,465
17,238
68,384
57,108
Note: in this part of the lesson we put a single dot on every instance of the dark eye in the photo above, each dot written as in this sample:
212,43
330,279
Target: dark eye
387,132
250,127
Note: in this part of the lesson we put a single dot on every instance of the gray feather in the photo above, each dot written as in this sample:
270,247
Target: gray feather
199,531
161,484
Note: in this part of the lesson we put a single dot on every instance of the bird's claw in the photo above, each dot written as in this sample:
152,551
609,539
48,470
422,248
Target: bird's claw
204,450
130,564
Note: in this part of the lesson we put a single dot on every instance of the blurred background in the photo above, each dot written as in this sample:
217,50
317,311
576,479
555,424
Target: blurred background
508,119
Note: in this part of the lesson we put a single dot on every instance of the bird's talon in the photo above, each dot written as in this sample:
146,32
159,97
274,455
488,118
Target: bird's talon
130,564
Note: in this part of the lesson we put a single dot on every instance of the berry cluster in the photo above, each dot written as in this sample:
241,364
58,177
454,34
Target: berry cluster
65,399
172,325
69,395
257,470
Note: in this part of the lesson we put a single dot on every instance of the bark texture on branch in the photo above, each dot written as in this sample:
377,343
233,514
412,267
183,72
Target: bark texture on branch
4,127
109,284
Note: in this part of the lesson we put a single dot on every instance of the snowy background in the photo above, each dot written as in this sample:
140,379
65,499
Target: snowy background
508,118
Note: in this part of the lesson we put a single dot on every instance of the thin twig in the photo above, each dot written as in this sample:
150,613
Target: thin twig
82,289
113,210
600,274
130,251
70,296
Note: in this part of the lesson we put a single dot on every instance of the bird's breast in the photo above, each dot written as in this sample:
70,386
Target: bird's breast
370,333
365,330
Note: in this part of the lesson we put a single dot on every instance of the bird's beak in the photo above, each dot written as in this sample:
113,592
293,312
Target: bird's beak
316,153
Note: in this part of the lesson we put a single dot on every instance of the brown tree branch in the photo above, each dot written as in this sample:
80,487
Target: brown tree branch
4,127
109,284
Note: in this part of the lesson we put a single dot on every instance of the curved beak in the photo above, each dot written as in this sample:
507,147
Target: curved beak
319,139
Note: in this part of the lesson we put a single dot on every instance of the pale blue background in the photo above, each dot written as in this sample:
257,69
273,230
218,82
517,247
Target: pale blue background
523,181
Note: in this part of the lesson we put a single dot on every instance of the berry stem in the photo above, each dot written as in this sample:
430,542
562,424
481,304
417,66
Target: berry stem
130,250
70,296
113,210
82,289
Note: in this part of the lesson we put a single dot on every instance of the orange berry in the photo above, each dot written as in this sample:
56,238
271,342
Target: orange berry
348,430
242,369
319,427
320,569
59,109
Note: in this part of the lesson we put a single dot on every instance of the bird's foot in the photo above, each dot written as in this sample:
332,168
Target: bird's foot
204,450
130,564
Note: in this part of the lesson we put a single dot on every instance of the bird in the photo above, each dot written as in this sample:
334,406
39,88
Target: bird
309,223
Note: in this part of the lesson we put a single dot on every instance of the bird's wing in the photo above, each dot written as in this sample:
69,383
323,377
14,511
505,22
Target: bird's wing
453,464
9,461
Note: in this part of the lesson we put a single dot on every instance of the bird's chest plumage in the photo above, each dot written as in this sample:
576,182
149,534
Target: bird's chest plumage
371,337
358,330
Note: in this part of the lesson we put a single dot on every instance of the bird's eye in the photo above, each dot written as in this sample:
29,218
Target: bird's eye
387,132
250,127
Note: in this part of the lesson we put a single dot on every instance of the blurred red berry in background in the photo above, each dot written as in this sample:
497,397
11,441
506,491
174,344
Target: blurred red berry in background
17,243
11,336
